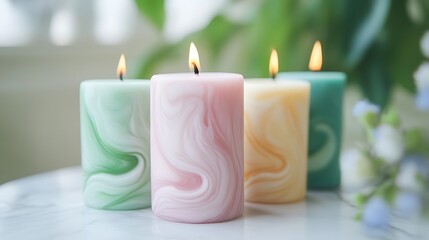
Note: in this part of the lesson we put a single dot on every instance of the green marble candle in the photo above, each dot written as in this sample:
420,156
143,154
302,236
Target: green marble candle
115,141
325,125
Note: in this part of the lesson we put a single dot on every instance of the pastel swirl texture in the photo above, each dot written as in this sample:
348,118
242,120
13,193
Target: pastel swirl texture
326,104
115,144
325,132
322,156
197,148
275,142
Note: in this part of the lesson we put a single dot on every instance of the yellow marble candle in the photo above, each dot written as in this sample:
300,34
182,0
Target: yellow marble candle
275,140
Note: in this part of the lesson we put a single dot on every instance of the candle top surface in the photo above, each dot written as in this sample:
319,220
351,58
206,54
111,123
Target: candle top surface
207,76
268,82
292,82
308,75
117,81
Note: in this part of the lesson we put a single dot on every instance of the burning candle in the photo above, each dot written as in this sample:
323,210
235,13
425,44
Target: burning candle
115,142
197,145
275,142
327,89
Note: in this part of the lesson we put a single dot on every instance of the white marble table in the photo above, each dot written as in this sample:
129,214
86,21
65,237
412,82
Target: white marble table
49,206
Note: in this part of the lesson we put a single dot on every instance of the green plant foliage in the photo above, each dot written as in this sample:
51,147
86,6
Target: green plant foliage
217,33
153,10
373,76
376,42
391,117
414,141
405,172
403,43
365,20
214,36
155,58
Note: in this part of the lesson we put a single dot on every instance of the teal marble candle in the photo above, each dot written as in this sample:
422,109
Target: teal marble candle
325,126
115,142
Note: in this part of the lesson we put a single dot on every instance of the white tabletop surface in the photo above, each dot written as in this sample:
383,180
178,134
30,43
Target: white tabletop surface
50,206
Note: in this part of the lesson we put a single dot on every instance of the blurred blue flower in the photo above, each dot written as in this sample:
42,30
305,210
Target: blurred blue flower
424,43
388,143
421,77
421,163
363,107
406,179
412,166
422,99
376,214
408,204
356,169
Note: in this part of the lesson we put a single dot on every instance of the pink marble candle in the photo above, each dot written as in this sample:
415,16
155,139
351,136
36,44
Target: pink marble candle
197,147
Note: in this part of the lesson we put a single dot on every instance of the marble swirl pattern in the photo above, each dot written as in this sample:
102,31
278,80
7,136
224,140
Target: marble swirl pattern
322,156
115,146
275,149
197,150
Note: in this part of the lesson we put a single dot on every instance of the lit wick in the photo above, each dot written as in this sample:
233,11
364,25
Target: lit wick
273,76
194,60
316,58
274,64
196,71
121,67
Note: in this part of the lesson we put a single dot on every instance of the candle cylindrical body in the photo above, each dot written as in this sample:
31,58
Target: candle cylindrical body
115,143
325,126
275,142
197,147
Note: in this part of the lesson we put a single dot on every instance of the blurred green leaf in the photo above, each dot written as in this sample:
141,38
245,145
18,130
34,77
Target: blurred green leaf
217,33
378,164
272,28
387,190
374,41
364,19
370,120
424,4
414,141
404,55
421,179
358,216
153,10
360,199
154,59
373,76
391,117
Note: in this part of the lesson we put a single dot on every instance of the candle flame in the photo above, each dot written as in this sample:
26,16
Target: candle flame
194,60
122,68
274,63
315,63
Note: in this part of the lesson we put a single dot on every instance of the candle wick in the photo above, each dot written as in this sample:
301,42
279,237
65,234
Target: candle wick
196,71
121,76
273,76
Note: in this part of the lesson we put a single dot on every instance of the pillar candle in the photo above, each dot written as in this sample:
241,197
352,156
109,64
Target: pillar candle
326,104
197,147
115,143
275,147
